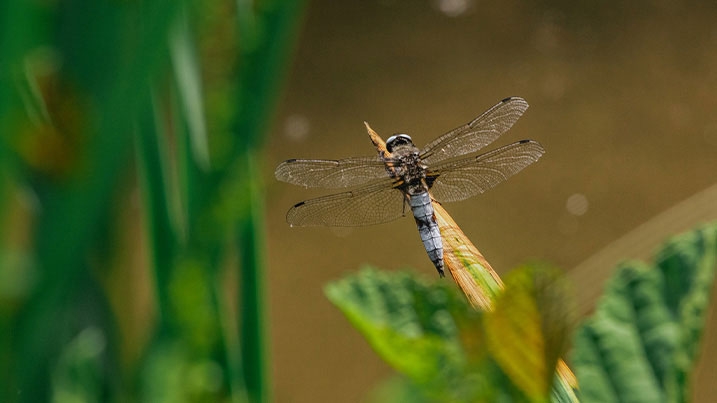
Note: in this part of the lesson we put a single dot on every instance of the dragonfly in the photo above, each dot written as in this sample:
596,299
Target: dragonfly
385,187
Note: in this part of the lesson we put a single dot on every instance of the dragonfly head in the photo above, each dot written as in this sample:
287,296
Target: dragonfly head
398,140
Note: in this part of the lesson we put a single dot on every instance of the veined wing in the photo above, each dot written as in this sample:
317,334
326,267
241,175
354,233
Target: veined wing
476,134
376,203
460,179
331,173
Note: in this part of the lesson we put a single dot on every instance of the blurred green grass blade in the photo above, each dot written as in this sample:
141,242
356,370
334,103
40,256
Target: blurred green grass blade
642,341
20,29
111,90
79,204
151,157
253,335
267,33
75,209
188,80
267,37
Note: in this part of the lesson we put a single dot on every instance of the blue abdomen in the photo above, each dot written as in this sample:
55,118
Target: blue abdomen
428,228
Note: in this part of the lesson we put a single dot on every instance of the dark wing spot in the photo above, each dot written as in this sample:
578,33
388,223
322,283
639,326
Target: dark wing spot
506,99
299,204
524,141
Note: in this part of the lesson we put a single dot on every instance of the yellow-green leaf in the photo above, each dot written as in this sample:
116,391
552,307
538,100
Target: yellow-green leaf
526,333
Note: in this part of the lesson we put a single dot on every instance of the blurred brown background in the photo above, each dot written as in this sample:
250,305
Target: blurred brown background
622,98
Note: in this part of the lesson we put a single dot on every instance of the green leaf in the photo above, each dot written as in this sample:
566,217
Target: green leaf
642,341
411,325
430,334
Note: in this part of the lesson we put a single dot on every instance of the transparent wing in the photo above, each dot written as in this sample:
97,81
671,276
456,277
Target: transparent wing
331,173
460,179
476,134
376,203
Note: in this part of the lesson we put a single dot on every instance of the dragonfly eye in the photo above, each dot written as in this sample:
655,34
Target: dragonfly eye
398,140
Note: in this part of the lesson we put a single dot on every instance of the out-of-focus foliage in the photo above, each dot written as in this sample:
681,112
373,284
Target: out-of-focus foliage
140,118
642,342
640,345
446,349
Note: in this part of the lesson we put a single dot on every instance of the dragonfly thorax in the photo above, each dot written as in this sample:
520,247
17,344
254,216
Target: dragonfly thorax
405,164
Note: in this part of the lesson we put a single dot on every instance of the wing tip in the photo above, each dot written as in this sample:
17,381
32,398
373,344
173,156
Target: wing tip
513,99
537,146
279,171
533,142
518,106
291,215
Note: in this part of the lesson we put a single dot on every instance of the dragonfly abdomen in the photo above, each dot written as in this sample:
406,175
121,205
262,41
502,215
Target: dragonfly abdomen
428,228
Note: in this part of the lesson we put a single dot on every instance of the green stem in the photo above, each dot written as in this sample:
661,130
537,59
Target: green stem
150,161
253,335
263,68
